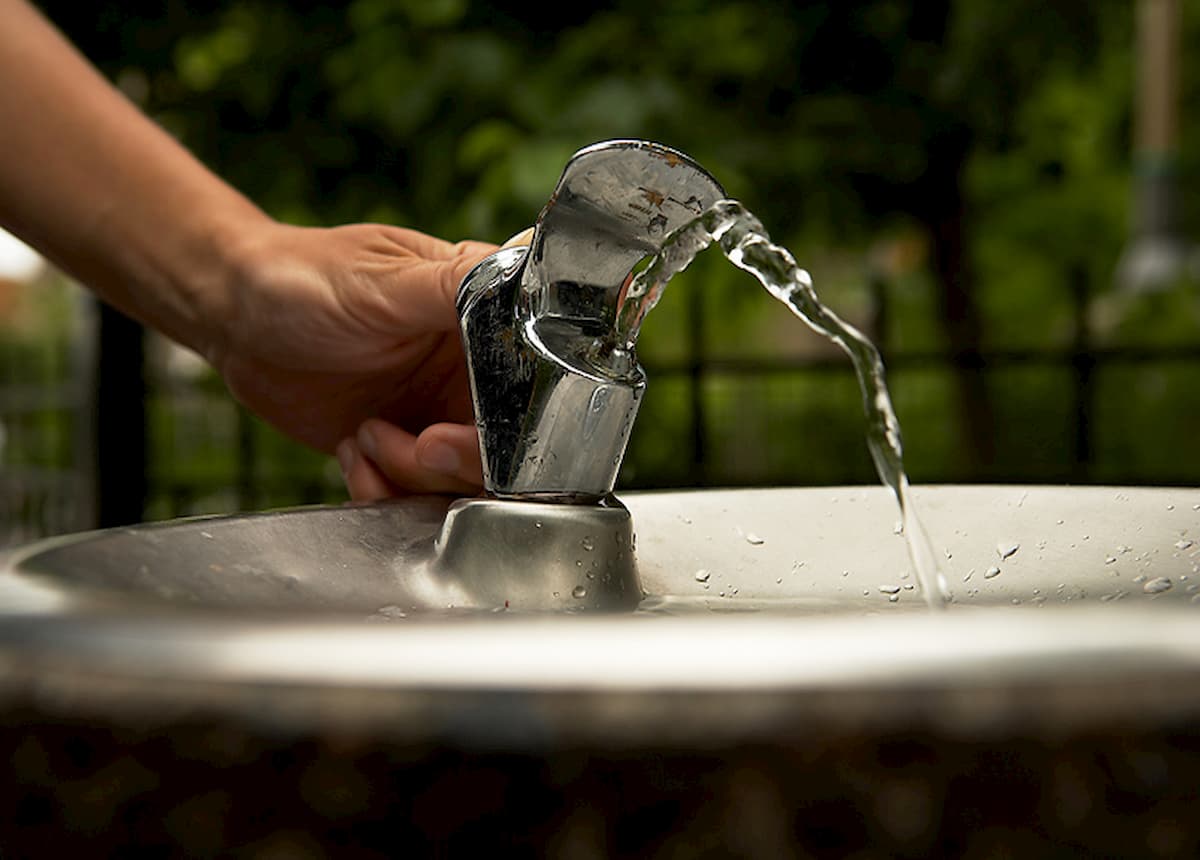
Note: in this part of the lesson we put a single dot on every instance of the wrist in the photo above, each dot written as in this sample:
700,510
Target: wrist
215,284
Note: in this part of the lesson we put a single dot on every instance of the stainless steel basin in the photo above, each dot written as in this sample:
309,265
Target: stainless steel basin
771,619
770,590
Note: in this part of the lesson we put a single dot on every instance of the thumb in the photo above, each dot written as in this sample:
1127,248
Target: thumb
452,271
466,257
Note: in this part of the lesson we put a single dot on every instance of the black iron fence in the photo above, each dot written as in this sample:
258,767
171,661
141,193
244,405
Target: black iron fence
125,435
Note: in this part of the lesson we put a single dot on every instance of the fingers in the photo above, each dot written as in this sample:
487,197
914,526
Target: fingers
443,459
363,480
443,265
428,286
453,270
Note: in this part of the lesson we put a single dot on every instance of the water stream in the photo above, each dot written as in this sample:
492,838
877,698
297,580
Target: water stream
747,245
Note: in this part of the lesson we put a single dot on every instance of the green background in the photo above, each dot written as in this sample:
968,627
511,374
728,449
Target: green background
955,175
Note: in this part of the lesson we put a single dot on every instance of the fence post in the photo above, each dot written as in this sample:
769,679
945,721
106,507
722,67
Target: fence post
119,419
696,370
1082,365
246,495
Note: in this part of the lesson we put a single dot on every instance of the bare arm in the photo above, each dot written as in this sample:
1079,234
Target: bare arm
107,194
343,338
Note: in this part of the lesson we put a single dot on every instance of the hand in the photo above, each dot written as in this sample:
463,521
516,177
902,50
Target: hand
347,339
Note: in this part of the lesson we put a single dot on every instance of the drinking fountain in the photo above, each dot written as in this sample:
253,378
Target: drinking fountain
554,412
755,673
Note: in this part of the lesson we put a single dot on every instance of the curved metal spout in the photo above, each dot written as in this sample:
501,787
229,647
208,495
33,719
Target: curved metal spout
553,419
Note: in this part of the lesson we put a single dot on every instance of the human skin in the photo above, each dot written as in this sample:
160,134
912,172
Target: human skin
344,338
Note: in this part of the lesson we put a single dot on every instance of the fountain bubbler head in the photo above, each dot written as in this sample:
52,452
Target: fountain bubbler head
553,419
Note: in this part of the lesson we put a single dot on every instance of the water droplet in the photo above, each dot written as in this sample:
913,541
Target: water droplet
1016,601
1005,549
1157,585
391,611
992,572
537,524
908,586
949,555
579,591
1183,544
1110,559
206,535
703,575
588,544
893,598
968,575
721,594
866,592
898,528
890,589
753,539
1141,577
779,580
1170,507
845,573
1058,522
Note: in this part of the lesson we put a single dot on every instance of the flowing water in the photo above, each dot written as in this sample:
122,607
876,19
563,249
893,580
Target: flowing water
746,244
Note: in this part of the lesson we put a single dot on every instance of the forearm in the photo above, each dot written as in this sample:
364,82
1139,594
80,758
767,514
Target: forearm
107,194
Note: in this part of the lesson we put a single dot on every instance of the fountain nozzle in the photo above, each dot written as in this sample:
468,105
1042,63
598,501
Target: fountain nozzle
554,413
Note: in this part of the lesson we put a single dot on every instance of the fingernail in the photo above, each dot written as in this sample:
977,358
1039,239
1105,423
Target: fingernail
366,441
525,237
438,457
345,456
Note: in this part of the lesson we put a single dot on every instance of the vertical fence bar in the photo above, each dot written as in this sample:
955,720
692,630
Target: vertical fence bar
879,314
697,361
119,418
246,496
1083,366
82,357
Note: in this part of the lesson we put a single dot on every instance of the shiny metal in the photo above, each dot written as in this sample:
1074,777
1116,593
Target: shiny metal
554,419
763,609
419,555
296,661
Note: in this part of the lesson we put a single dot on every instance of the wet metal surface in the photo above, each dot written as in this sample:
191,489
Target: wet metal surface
792,613
553,419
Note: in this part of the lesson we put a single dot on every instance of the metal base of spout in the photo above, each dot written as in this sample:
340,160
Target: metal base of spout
539,556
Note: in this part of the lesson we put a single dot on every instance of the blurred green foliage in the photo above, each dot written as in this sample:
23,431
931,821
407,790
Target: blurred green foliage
969,154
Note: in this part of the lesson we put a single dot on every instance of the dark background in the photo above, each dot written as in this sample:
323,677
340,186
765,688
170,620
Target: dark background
958,177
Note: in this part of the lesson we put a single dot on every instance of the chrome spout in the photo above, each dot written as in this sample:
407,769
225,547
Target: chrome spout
554,413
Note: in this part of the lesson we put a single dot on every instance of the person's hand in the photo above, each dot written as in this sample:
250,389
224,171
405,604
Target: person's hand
346,339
